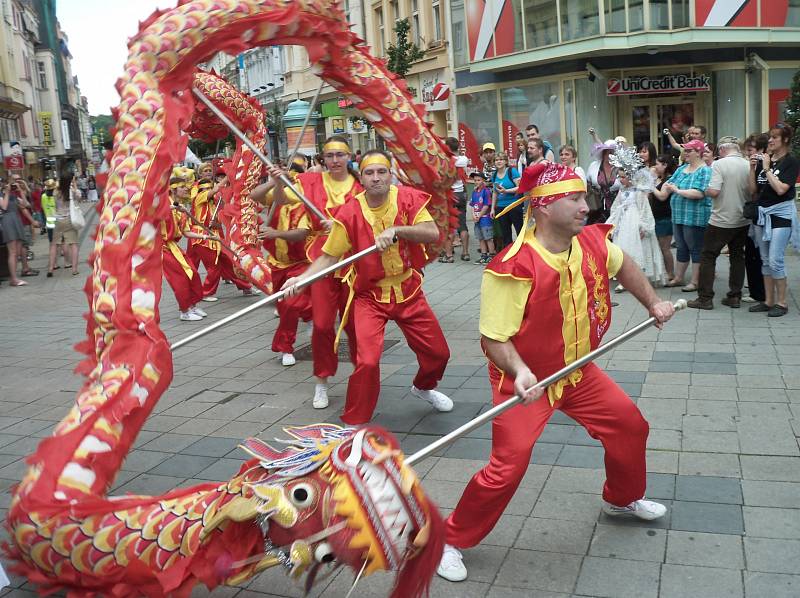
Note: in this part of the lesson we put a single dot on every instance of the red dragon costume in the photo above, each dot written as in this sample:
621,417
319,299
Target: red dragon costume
332,493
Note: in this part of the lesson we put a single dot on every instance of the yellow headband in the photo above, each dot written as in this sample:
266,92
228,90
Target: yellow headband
178,185
336,145
568,186
375,159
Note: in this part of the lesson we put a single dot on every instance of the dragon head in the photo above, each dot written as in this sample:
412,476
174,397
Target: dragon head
337,496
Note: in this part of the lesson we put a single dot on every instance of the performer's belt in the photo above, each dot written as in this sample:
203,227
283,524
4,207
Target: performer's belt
556,389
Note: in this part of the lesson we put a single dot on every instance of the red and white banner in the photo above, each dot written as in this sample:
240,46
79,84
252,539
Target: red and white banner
490,28
740,13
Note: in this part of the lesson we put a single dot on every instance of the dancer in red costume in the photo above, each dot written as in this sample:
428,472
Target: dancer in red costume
181,275
545,303
387,285
285,240
208,251
329,191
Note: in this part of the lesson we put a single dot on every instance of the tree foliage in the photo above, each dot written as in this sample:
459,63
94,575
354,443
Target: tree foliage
403,54
792,112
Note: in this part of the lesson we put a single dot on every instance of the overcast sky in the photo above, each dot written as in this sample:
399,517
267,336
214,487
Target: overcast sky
98,32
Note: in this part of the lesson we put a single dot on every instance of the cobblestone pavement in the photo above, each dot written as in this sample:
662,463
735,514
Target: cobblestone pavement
721,390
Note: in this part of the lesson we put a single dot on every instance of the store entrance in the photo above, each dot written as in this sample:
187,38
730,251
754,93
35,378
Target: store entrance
651,117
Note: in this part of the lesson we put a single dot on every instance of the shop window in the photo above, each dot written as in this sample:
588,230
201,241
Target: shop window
415,22
518,25
659,14
635,15
541,23
477,115
780,82
381,36
754,101
538,105
579,19
680,13
570,131
460,57
793,14
594,109
615,16
42,75
729,105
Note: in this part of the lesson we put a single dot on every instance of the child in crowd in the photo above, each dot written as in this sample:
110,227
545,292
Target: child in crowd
481,203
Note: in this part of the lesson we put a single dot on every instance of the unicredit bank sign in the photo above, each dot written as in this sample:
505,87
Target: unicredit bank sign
629,86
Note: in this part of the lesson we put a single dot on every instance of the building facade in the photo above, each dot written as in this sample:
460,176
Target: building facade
622,67
431,78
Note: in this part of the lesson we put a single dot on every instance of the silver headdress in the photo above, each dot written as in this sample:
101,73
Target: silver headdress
627,159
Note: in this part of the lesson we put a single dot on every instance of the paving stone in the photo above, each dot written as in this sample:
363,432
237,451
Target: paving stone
144,460
708,489
572,479
469,448
709,441
714,368
778,469
707,550
769,522
572,506
772,555
505,531
712,357
766,436
771,494
710,464
774,585
539,570
150,484
554,535
171,443
497,591
661,486
671,366
591,457
678,581
212,447
618,578
182,465
545,453
707,517
638,544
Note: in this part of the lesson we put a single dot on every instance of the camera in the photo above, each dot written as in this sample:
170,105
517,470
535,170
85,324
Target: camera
665,131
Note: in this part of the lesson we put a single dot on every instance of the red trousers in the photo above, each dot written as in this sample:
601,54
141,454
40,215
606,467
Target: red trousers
215,269
329,297
291,310
418,324
598,404
187,291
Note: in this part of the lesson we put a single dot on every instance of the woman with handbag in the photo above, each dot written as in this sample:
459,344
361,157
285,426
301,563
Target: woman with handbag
66,231
12,202
777,221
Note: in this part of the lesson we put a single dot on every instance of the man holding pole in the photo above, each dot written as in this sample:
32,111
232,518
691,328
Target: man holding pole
328,191
387,285
545,303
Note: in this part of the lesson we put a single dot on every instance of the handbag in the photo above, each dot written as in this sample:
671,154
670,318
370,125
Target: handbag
750,210
76,216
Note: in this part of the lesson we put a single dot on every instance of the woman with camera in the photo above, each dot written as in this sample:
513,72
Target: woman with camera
12,201
772,178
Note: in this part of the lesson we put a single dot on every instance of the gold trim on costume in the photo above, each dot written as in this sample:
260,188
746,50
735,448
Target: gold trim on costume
375,159
570,185
332,146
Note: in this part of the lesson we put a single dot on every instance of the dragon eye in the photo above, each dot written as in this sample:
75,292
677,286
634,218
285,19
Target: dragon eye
302,495
323,553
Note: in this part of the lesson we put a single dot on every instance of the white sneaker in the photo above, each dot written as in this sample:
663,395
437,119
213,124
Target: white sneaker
190,316
210,299
440,401
288,359
643,509
275,313
199,311
748,299
320,396
451,567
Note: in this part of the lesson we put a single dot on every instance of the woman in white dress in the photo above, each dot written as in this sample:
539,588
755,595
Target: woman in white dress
634,225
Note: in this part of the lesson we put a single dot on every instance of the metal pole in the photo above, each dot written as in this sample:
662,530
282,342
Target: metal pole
314,100
506,405
259,154
272,298
210,233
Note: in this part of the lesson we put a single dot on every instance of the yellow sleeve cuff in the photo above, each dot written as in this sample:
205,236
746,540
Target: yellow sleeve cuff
338,243
503,301
614,260
423,216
